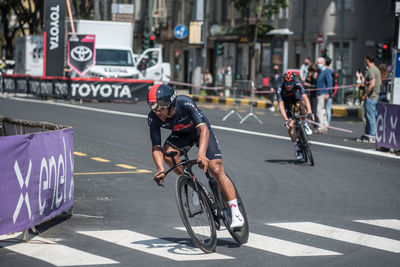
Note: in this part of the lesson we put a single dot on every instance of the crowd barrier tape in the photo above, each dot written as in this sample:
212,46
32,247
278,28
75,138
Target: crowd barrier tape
77,88
36,177
388,126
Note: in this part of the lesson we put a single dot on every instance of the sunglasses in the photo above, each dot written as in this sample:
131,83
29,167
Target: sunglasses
157,106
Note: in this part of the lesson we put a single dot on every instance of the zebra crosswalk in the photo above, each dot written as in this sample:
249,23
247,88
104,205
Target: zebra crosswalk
56,252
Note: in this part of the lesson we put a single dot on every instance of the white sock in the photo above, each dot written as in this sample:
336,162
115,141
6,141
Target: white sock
233,205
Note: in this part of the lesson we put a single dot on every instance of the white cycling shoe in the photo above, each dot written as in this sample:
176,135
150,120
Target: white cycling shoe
299,155
237,220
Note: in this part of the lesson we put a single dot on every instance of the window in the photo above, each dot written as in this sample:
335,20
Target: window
114,57
283,13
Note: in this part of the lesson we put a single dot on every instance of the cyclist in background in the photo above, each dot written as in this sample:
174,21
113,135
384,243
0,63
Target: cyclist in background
292,93
189,127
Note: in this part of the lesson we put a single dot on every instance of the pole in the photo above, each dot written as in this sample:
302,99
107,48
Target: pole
70,17
340,95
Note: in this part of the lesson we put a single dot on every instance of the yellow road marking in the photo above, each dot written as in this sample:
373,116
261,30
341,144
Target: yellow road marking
100,159
80,154
125,166
125,172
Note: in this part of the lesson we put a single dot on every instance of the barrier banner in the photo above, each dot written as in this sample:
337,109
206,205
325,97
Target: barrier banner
388,126
78,88
36,178
109,89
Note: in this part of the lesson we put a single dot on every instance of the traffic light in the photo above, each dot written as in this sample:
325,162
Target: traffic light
220,49
145,42
386,51
379,50
152,40
324,53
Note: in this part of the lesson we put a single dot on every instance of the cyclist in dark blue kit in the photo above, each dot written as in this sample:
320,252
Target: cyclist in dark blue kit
189,127
292,93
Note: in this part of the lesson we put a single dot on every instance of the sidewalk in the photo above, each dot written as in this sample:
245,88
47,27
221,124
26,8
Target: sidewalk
338,110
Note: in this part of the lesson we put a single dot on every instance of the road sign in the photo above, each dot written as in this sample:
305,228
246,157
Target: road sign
320,38
181,31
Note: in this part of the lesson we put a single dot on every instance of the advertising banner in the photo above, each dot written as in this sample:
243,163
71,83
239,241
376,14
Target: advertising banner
388,126
36,178
77,88
81,52
54,35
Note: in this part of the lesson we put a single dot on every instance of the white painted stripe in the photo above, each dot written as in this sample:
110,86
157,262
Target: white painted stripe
275,245
359,150
388,223
56,254
362,239
153,245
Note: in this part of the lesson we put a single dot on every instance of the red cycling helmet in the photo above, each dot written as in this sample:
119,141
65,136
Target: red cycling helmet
289,77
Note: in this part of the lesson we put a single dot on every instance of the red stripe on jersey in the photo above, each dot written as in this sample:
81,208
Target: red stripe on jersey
180,126
152,96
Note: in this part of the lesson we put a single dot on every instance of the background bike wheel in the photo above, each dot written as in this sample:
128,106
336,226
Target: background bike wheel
196,214
242,235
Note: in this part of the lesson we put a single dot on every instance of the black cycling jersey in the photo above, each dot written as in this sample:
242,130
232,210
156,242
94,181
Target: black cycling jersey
187,118
290,97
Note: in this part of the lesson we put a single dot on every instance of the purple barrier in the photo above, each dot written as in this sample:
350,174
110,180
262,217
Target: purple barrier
388,126
36,178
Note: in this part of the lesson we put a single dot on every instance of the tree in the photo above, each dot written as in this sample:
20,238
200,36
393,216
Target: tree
261,12
29,16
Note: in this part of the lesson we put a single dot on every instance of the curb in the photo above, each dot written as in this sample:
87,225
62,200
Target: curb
337,110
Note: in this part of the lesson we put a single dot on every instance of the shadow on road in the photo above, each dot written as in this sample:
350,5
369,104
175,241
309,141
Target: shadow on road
283,161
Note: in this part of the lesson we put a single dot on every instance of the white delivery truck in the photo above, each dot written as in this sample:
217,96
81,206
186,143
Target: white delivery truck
29,55
113,44
114,54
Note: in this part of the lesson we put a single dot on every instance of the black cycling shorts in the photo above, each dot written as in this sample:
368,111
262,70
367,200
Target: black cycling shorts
184,140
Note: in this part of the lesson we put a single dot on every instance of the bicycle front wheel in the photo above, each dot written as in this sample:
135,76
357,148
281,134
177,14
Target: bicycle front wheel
306,148
196,214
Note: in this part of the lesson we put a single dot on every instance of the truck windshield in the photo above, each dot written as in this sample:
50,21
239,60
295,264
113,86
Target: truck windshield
111,57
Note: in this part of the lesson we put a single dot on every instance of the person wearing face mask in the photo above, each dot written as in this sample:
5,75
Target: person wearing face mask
304,69
275,81
324,81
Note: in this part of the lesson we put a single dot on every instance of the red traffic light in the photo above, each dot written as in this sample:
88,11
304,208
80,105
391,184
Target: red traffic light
152,37
385,46
323,50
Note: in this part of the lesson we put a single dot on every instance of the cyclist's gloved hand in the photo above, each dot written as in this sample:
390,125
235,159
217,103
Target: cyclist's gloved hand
310,116
202,161
287,123
159,177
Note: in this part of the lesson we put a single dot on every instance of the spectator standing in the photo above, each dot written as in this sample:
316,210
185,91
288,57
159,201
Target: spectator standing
275,81
371,96
304,69
324,80
328,61
383,94
310,83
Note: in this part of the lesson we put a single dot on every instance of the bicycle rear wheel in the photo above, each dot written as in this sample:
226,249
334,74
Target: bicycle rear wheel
241,236
196,214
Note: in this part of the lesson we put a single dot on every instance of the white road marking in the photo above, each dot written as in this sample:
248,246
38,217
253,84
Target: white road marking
154,245
388,223
362,239
359,150
56,254
275,245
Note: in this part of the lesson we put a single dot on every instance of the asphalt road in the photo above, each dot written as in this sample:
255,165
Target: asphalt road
344,211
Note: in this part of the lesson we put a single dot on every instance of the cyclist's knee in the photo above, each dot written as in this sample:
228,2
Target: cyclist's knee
216,167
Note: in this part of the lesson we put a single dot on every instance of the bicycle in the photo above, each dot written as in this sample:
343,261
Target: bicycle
301,137
202,210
